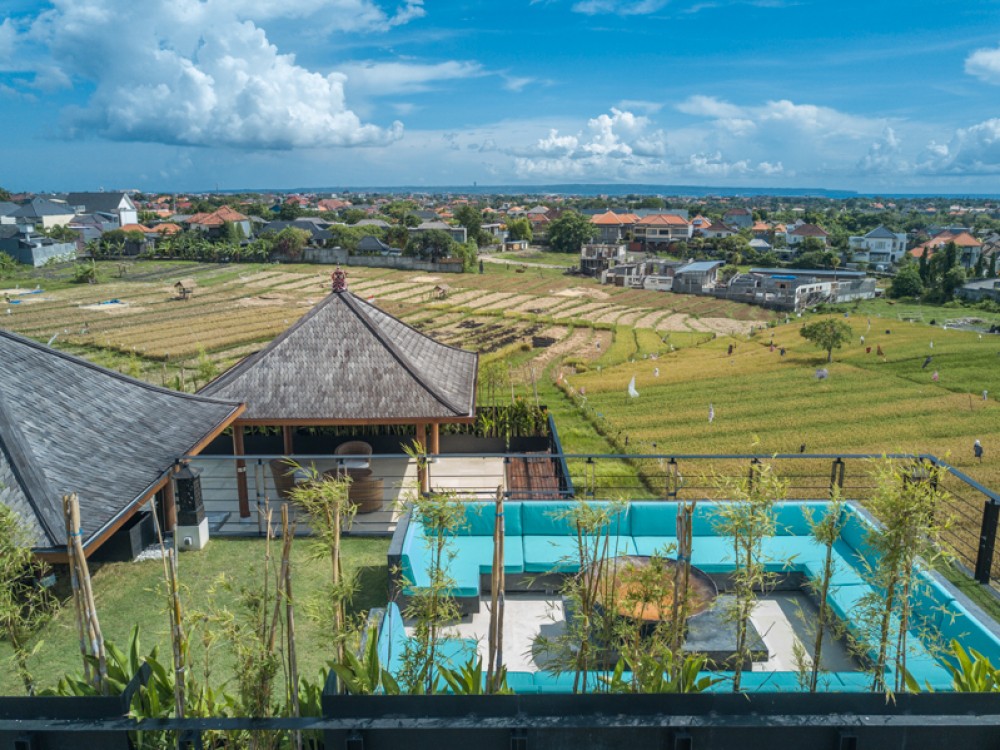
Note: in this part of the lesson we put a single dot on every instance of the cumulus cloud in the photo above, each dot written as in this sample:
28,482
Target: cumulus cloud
971,151
206,73
777,139
984,64
884,155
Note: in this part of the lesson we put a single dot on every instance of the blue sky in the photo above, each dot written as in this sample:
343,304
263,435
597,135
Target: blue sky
194,94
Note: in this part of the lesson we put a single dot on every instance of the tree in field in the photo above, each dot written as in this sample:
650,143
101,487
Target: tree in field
828,334
570,232
471,218
907,283
519,229
290,241
4,194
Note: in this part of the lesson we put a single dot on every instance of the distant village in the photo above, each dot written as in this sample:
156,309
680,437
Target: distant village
780,254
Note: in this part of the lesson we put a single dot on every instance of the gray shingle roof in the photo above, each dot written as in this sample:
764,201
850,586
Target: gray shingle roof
38,207
67,425
102,202
880,232
347,360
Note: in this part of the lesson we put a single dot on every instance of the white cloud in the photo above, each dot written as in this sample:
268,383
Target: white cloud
709,106
884,155
206,74
971,151
516,83
619,7
384,78
8,39
984,64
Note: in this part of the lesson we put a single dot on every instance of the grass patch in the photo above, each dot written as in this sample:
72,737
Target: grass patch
128,594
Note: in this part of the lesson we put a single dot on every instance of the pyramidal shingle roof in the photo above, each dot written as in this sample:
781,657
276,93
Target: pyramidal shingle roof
67,425
348,361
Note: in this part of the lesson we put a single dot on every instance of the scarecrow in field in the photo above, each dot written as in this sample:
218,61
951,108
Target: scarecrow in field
977,449
927,361
934,377
822,373
711,413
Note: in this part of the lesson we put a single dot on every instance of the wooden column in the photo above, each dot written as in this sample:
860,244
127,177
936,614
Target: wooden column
423,475
241,472
169,505
288,435
435,439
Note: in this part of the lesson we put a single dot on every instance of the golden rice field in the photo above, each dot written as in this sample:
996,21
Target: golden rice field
866,404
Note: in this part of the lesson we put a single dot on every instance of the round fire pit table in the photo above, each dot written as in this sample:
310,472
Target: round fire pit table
641,588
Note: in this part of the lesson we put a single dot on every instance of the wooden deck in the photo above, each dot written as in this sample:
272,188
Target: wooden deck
532,478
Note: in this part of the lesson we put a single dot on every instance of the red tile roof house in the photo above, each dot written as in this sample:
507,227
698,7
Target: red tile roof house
969,248
802,232
662,230
614,227
214,222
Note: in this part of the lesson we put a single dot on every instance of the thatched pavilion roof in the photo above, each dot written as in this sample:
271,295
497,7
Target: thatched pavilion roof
348,362
67,425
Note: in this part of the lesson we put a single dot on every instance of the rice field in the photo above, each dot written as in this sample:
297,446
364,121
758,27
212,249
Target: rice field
866,403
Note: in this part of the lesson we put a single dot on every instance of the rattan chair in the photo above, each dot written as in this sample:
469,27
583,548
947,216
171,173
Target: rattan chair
359,452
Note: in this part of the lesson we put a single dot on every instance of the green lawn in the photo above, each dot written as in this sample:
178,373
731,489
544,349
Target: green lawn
130,594
535,256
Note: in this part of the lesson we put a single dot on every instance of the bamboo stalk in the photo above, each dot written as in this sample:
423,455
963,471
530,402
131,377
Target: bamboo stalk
81,624
502,524
177,634
90,606
177,640
494,573
288,531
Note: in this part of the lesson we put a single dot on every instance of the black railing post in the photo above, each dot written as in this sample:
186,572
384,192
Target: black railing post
837,475
672,483
591,477
752,475
987,541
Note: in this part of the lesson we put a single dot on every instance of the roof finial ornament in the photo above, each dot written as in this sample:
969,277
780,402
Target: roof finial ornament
339,278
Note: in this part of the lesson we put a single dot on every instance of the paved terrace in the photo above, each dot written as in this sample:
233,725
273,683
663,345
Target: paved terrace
474,477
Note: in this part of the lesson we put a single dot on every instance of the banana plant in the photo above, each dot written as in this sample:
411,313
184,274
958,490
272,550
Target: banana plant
364,674
467,679
651,674
974,673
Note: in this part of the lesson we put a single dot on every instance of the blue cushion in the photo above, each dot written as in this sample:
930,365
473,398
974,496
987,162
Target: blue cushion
792,518
851,682
664,546
392,639
654,519
544,554
543,518
481,516
476,554
964,628
522,683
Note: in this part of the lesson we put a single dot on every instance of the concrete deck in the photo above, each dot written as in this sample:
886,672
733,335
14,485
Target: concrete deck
470,476
780,618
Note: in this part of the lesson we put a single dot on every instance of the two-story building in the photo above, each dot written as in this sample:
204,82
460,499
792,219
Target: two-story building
880,247
597,257
659,231
614,227
741,218
118,205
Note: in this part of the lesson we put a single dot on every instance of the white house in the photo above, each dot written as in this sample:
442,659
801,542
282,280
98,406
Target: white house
116,204
878,247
